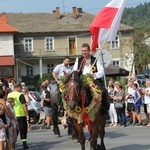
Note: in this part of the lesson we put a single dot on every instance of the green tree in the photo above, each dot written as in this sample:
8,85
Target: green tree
141,50
138,16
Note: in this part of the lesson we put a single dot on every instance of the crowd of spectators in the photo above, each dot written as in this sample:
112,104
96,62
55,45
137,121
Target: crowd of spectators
14,114
127,102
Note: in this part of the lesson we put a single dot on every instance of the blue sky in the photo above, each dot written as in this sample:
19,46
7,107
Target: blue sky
27,6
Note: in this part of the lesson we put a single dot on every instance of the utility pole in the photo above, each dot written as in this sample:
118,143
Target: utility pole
40,64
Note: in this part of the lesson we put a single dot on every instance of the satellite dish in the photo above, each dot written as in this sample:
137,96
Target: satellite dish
104,57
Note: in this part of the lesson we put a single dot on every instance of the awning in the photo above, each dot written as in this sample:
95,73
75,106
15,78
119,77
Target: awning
7,61
113,70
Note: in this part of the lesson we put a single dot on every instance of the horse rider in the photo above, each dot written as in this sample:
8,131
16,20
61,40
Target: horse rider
83,66
57,74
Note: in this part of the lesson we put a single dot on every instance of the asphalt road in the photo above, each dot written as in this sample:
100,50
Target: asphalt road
116,138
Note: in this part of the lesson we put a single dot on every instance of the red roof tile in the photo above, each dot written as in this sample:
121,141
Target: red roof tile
3,18
4,27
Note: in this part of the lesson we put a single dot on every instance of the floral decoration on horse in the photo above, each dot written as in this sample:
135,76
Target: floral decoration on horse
81,113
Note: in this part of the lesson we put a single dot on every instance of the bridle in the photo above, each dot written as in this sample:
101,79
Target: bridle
73,84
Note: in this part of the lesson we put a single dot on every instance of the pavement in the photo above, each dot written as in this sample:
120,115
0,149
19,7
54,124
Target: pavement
116,138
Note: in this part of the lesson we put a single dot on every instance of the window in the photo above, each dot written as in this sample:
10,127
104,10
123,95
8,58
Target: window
50,68
49,43
29,70
115,44
116,63
28,44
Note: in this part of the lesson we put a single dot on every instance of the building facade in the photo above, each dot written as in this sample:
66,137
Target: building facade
43,39
6,48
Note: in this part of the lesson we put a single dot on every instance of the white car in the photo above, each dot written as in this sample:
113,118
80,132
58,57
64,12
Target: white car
35,101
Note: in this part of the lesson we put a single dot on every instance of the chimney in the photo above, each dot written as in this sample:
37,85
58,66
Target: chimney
57,13
54,11
75,15
79,10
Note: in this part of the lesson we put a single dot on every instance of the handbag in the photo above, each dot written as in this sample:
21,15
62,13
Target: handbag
119,104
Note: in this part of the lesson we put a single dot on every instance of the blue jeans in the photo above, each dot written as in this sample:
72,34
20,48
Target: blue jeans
122,116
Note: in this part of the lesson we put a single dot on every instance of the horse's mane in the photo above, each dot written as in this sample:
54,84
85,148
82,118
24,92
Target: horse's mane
76,76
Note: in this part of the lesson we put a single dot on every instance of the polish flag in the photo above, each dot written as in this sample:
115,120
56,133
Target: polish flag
106,23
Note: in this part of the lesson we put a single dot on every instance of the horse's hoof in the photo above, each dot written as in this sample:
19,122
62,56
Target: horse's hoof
57,135
69,136
98,147
75,140
101,147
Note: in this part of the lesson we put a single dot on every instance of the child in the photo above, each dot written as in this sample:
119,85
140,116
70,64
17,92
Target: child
13,127
64,120
2,129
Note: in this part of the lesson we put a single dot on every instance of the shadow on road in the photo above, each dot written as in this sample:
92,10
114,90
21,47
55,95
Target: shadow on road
35,146
132,147
114,134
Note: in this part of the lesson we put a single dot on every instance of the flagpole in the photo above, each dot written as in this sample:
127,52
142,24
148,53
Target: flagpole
101,48
92,67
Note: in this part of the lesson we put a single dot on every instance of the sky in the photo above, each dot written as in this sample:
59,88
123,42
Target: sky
47,6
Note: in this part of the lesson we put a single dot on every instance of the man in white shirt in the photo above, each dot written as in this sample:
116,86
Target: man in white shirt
59,72
83,66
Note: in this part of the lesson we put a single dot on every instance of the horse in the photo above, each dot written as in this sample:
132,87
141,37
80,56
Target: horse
58,111
82,114
55,105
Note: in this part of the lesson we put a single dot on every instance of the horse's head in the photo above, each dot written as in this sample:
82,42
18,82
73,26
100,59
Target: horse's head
73,90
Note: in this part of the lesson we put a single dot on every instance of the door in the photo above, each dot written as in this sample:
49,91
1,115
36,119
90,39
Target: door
72,45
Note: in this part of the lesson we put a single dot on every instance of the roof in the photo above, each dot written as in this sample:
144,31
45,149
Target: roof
47,22
4,26
7,61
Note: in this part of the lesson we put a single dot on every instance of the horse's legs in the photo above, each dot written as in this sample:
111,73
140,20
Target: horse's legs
79,128
102,132
55,119
71,129
94,134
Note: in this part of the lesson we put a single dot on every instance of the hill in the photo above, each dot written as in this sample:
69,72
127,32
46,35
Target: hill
138,16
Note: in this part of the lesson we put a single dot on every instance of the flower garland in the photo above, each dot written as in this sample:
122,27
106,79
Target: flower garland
91,110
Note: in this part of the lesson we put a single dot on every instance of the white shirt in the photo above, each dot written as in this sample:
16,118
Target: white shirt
87,69
131,92
59,70
147,98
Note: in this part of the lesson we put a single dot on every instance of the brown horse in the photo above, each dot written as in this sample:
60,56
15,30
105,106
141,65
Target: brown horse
76,106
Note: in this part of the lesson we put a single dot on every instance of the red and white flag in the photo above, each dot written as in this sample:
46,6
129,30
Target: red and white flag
106,23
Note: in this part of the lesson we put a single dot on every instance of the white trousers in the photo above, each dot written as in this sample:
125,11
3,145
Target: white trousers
113,113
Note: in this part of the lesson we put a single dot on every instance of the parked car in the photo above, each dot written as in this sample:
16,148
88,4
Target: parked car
147,73
35,104
141,79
